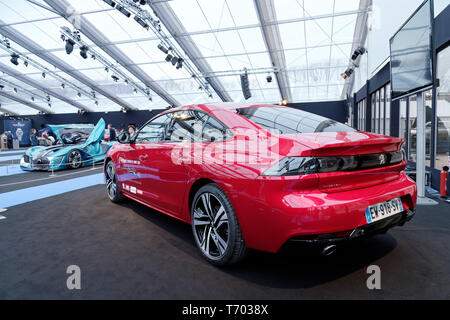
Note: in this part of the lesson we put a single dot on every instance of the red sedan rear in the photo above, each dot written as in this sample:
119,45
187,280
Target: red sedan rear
261,176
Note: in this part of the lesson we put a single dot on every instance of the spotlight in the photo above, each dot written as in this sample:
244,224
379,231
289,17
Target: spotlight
25,63
169,57
93,57
15,90
48,98
106,69
32,99
163,49
358,52
79,95
110,2
123,110
347,73
143,2
83,52
174,60
115,78
69,46
43,75
2,87
15,59
126,81
63,86
80,111
245,86
210,97
123,11
135,91
284,102
269,78
179,64
141,22
49,105
96,102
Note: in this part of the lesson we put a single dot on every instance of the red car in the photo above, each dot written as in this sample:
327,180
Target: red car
262,176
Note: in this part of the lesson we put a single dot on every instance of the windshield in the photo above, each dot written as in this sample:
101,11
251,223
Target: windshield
75,135
291,121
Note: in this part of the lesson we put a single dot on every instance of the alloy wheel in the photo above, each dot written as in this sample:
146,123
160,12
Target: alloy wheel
111,181
210,222
75,159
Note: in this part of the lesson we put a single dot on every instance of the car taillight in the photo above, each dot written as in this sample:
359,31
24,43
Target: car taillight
296,166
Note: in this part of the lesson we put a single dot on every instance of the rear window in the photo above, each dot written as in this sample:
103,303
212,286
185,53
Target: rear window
291,121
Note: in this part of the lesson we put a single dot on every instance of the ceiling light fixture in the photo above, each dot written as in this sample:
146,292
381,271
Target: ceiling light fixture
83,52
358,52
347,73
110,2
15,59
69,46
123,11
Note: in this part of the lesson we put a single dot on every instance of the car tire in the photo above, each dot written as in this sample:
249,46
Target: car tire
112,184
74,159
215,227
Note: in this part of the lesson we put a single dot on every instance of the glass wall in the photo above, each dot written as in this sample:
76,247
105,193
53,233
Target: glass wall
443,110
362,115
412,133
403,128
381,110
412,127
387,126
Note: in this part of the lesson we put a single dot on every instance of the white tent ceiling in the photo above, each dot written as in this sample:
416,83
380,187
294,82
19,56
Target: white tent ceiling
317,38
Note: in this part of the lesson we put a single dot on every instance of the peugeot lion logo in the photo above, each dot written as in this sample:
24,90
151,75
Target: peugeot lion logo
382,159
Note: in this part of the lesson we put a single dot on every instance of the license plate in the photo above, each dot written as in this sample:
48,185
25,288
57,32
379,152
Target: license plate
383,210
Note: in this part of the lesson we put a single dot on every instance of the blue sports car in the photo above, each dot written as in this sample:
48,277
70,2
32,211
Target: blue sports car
79,145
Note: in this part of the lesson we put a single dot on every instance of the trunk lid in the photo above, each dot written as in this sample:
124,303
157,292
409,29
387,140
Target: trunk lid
375,151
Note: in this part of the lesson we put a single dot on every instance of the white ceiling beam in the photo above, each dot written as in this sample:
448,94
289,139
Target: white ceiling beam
265,10
36,49
97,37
359,39
18,99
175,27
37,85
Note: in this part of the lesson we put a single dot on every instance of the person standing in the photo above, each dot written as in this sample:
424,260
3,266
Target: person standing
131,129
112,133
9,139
33,138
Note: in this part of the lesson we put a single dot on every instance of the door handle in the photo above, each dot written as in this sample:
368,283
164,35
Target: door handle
143,157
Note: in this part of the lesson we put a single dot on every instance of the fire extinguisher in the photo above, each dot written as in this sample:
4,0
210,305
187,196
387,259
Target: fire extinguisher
444,175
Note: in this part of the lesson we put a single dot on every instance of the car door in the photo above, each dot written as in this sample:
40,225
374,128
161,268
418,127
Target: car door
166,171
133,157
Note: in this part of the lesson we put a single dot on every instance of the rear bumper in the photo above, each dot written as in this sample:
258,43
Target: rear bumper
359,233
271,215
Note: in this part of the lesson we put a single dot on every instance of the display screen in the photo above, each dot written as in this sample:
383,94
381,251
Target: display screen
411,53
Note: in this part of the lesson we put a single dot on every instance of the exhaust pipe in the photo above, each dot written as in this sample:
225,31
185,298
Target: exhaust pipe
328,250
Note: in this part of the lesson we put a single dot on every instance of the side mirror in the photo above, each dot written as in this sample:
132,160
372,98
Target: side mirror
124,137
